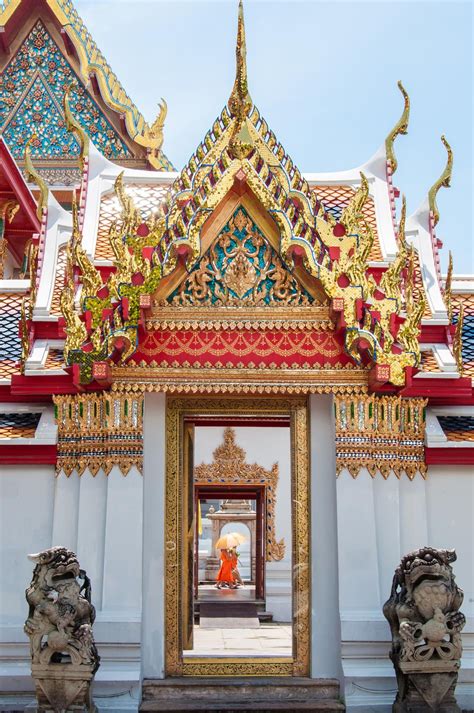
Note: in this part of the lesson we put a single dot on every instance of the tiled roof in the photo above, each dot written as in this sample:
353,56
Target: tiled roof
10,344
457,428
467,300
18,425
146,197
336,198
428,361
55,359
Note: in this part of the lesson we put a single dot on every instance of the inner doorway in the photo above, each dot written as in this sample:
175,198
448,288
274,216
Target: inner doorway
229,511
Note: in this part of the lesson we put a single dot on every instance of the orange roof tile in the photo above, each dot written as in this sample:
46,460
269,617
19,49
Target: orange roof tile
336,198
147,197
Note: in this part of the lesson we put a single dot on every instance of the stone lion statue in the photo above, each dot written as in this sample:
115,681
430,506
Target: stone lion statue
425,621
61,615
64,656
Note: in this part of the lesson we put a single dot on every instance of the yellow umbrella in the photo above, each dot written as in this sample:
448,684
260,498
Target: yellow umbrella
232,539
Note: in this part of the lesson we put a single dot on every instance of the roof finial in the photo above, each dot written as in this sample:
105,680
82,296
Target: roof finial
73,125
448,287
240,101
33,176
401,127
443,180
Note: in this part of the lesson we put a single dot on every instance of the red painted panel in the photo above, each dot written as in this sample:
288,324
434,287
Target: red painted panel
233,347
449,456
21,454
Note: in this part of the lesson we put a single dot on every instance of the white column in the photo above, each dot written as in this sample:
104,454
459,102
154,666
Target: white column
66,510
121,594
91,530
153,617
326,622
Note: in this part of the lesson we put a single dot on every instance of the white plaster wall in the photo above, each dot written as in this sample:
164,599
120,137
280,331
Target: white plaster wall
26,516
264,446
378,522
101,520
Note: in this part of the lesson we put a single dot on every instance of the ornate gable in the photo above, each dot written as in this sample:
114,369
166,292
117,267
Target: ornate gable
31,97
38,62
240,269
174,260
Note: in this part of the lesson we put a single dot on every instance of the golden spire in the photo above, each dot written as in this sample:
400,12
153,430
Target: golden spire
457,341
240,101
401,127
33,176
444,180
72,125
448,294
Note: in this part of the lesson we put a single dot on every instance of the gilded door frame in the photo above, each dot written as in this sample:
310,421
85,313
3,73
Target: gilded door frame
177,664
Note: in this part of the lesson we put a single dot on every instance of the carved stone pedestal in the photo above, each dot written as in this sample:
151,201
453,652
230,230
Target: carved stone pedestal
63,687
428,691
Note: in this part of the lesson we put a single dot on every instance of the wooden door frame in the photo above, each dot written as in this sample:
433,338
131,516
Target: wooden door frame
236,492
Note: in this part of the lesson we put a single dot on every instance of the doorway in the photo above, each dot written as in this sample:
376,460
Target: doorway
233,490
226,511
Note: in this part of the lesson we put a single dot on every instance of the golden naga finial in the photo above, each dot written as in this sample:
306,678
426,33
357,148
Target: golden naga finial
409,331
457,341
401,127
351,214
90,276
391,279
131,215
448,294
410,278
33,176
73,126
153,136
443,181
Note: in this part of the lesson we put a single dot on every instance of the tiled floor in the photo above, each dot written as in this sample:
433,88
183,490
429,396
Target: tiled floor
266,640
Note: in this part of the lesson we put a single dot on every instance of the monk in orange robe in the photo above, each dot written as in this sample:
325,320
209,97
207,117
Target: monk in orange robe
225,576
235,568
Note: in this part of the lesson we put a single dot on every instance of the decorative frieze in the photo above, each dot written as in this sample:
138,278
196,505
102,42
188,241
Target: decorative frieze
98,431
380,433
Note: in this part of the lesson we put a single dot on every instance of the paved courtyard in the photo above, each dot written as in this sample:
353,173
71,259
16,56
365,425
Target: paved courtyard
266,640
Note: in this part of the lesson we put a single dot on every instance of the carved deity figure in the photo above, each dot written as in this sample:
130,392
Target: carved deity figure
425,621
63,653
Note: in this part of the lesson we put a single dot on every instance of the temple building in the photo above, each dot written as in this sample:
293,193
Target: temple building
232,350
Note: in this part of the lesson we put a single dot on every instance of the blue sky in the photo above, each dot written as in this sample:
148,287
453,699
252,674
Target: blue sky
324,76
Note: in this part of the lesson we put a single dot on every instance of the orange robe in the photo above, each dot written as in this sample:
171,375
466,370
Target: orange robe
225,570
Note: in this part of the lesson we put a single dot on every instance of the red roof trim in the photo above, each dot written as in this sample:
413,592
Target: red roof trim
18,185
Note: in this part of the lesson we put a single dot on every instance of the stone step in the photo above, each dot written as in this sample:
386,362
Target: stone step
241,694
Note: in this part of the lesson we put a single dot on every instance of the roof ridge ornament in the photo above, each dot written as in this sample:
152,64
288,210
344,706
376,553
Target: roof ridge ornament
33,176
457,341
401,127
152,137
73,126
448,289
240,102
443,181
